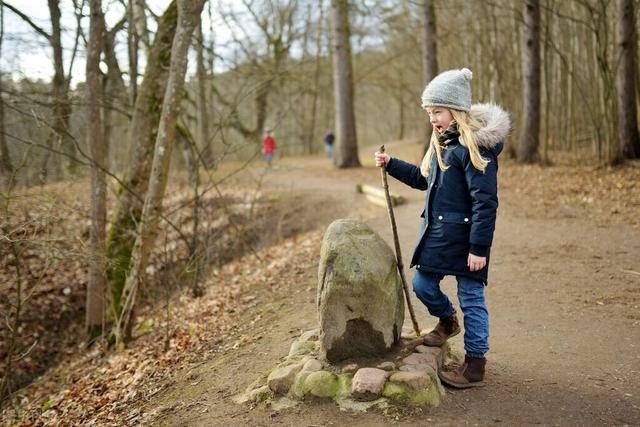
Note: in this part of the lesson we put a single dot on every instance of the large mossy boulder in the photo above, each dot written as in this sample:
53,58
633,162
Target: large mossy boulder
360,301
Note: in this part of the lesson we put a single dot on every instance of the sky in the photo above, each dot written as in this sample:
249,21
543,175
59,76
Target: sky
26,53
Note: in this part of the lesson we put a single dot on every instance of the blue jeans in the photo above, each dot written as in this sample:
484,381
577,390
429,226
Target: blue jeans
328,148
426,286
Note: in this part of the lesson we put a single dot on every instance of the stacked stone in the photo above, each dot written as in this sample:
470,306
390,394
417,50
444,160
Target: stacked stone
409,379
360,313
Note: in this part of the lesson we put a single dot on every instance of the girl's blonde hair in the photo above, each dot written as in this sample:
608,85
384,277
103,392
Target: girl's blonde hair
467,127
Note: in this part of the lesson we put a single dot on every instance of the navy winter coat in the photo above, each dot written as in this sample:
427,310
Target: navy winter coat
459,214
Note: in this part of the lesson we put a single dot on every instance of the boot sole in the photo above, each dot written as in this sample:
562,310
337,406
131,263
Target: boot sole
460,386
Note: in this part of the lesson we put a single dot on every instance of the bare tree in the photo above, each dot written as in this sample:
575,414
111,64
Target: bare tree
202,107
627,108
115,96
61,108
140,21
259,62
308,128
95,142
530,136
142,135
430,52
346,154
132,48
6,166
188,18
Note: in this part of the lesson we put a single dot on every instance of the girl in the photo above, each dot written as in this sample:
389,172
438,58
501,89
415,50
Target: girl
458,173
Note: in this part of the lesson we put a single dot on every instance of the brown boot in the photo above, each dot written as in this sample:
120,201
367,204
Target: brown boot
470,374
446,328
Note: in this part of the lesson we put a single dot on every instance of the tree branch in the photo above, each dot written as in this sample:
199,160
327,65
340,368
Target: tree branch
28,20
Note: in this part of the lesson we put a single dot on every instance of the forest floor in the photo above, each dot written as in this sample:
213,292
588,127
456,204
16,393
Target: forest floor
564,304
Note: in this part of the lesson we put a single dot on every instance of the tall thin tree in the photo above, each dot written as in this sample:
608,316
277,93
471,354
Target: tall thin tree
530,137
627,108
61,106
95,142
430,51
346,153
6,166
188,18
61,102
142,135
203,109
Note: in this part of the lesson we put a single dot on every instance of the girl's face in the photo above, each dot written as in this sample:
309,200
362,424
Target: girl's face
440,118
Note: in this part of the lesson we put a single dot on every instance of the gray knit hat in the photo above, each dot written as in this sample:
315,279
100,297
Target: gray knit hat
450,89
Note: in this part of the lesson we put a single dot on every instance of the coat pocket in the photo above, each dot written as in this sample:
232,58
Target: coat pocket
453,218
454,226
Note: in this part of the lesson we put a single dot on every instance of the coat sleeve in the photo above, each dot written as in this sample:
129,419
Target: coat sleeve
407,173
483,188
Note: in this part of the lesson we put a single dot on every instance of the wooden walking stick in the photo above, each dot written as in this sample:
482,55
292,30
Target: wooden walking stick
396,241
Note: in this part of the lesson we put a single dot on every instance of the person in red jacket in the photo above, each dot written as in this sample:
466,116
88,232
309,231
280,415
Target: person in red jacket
268,146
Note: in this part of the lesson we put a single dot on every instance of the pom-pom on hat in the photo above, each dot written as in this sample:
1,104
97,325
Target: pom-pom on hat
450,89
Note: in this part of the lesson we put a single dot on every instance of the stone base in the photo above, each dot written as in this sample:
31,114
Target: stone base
406,376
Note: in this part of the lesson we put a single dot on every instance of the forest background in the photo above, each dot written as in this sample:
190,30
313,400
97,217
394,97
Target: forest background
100,212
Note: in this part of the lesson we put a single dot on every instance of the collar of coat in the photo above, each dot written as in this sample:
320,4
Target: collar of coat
496,124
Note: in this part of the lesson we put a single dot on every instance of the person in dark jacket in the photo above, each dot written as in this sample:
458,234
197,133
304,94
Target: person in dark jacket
459,175
328,140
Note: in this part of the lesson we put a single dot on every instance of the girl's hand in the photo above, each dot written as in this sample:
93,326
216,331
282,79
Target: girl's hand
476,263
381,159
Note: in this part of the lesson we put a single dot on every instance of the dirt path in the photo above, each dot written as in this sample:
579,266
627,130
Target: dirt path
564,301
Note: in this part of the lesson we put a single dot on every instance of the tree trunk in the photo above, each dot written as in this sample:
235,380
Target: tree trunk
203,110
190,154
261,101
114,89
316,79
132,43
627,109
61,105
430,53
140,21
549,96
346,153
210,60
107,120
271,80
307,134
142,135
188,17
96,281
530,136
114,73
6,166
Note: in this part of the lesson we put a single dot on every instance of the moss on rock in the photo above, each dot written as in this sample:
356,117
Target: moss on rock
261,394
396,392
344,386
425,397
321,384
297,389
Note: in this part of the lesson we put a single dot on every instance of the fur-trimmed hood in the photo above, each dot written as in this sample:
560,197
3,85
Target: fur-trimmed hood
497,125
